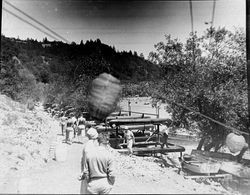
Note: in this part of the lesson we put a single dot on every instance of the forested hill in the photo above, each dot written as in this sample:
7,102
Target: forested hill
44,59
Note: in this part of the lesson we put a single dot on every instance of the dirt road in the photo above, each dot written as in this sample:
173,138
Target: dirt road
57,177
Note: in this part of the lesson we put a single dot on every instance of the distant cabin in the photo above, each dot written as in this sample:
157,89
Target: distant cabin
18,40
46,45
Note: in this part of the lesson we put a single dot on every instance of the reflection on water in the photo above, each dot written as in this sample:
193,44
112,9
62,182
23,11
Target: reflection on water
144,104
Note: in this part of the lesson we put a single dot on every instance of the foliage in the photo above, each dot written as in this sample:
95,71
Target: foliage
209,76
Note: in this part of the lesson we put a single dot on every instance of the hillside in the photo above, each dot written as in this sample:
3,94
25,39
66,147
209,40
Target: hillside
44,59
25,138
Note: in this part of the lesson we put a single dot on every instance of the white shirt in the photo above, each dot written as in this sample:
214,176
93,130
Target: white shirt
164,129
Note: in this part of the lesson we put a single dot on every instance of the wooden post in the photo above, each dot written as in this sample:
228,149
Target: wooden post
129,108
158,131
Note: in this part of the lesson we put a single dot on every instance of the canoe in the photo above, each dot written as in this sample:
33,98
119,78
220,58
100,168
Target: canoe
201,167
138,127
119,114
228,162
125,117
155,121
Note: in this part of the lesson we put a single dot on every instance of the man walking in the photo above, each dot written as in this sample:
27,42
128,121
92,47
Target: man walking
98,168
89,146
130,138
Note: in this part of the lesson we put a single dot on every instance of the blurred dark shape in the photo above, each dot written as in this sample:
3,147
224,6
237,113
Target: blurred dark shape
104,95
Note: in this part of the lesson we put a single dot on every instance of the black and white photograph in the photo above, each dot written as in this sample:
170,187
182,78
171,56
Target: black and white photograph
125,97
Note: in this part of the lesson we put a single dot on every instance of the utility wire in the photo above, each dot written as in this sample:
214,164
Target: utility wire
212,21
20,18
191,14
30,17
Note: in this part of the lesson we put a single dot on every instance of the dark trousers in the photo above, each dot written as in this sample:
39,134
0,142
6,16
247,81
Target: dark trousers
165,140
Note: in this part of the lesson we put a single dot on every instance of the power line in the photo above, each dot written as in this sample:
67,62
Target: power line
20,18
30,17
212,21
191,14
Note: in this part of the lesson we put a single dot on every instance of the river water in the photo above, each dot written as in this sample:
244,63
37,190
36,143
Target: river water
144,104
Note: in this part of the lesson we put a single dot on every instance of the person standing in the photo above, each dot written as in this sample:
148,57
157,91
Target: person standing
81,126
98,168
88,147
130,139
69,130
63,123
164,131
74,119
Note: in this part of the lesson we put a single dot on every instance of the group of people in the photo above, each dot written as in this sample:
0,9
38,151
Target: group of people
72,127
97,170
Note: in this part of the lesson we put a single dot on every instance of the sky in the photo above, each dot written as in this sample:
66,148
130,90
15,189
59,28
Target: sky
135,25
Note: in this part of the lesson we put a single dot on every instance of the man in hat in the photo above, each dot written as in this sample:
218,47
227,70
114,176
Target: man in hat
89,147
130,138
98,168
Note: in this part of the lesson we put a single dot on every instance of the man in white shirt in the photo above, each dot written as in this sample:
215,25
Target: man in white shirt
63,123
164,131
89,146
98,167
130,138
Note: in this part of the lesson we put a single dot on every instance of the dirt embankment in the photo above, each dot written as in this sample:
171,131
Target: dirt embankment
25,137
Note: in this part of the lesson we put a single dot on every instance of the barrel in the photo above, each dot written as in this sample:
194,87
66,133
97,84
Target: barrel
235,142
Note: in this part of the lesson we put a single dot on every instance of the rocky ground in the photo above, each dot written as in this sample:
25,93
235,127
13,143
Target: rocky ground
25,138
27,166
